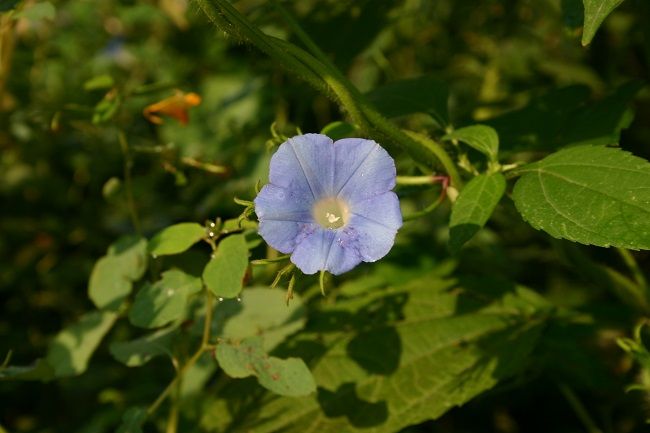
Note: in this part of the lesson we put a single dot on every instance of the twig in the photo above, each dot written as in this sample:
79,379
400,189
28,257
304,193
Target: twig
128,180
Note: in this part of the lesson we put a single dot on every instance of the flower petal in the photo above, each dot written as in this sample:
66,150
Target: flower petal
368,236
371,232
304,163
284,235
362,169
371,239
344,253
310,255
382,209
283,204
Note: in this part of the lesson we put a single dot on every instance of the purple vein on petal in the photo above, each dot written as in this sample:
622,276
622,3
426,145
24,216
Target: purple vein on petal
356,169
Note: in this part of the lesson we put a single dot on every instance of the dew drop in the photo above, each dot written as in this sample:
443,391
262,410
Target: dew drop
212,224
220,299
211,234
238,299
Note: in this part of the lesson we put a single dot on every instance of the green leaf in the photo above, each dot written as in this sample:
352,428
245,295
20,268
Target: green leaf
289,377
401,356
164,301
72,348
415,95
113,275
99,82
588,194
481,137
337,130
262,312
138,352
38,11
473,207
132,420
176,239
595,13
41,370
224,273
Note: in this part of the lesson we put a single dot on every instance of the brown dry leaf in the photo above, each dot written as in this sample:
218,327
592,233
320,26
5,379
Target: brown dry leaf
175,106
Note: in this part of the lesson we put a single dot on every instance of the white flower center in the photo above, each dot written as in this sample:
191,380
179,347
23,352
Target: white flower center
331,213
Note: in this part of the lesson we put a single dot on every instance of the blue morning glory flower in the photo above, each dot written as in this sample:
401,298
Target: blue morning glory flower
329,204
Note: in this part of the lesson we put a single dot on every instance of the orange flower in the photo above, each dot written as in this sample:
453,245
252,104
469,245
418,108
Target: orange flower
175,106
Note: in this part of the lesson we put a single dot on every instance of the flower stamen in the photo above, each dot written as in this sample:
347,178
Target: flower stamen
331,213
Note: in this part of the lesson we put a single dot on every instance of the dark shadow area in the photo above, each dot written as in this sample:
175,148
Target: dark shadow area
345,402
377,351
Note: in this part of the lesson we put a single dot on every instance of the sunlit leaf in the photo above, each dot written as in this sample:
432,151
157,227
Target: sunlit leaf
112,277
138,352
481,137
72,348
588,194
289,377
595,13
262,312
165,300
224,273
473,207
407,355
176,239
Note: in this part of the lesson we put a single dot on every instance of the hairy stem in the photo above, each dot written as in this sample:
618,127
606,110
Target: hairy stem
318,71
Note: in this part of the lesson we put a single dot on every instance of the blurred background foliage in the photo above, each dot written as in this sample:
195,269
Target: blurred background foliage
76,76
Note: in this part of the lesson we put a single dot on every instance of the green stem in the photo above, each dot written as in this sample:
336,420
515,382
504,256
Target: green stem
416,180
360,110
225,16
172,419
340,85
303,36
205,345
128,180
269,261
443,157
320,73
